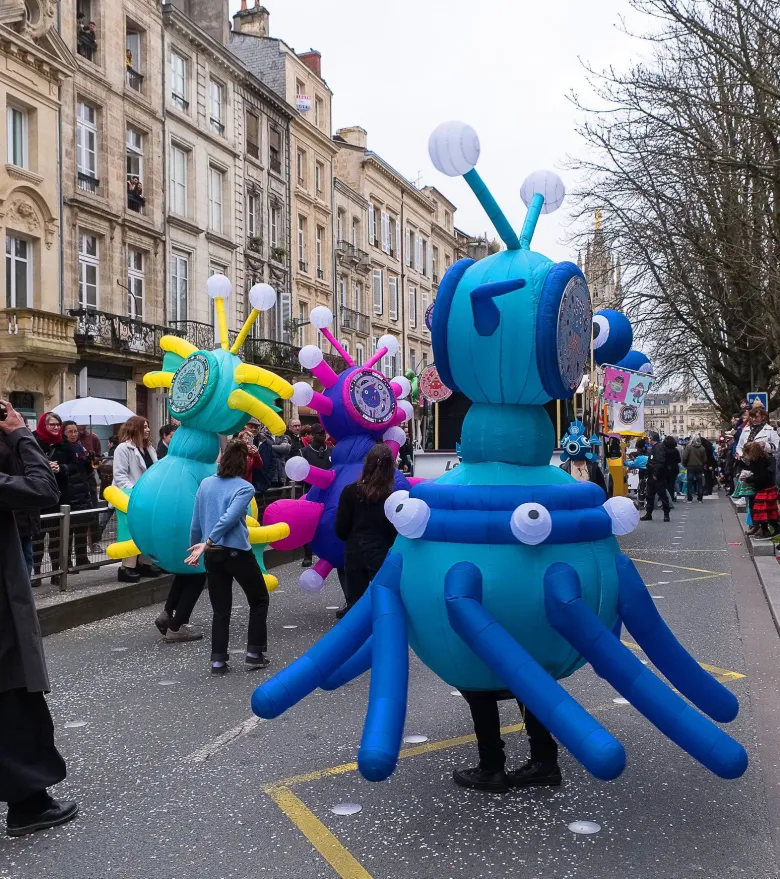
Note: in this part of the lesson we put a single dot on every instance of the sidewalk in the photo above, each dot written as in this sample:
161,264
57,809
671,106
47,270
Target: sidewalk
96,595
767,566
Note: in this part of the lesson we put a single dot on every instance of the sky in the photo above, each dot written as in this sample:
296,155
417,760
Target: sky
506,67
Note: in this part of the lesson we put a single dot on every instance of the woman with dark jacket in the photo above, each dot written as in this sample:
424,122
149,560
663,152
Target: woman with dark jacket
673,461
63,463
361,522
80,495
759,473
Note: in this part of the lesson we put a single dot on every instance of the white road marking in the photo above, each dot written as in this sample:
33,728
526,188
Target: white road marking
238,732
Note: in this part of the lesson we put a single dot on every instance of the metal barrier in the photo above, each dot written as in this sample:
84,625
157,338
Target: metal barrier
87,533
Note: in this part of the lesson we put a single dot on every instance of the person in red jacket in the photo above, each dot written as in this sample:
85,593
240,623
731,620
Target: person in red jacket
254,460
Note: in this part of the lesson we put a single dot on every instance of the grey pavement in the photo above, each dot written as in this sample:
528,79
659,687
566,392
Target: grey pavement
170,769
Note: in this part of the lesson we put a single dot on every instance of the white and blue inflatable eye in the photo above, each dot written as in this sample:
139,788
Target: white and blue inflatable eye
612,336
409,515
624,515
531,523
454,148
573,448
600,331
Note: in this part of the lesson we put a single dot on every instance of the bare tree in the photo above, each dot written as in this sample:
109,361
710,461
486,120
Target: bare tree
683,158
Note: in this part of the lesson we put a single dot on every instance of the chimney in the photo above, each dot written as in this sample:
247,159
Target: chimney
211,16
313,60
356,136
251,21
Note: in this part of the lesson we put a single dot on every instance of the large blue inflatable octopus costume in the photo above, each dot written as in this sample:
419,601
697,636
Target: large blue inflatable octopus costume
506,572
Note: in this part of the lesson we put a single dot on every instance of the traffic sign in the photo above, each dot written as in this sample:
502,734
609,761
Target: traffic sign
761,396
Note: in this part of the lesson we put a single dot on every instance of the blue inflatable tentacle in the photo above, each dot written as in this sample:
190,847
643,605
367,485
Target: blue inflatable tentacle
570,616
352,668
384,725
639,613
567,720
494,212
320,661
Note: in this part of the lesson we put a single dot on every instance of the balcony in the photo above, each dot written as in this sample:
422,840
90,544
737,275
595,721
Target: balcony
37,335
272,354
354,321
303,265
217,126
88,183
117,335
276,161
180,101
321,274
253,150
279,254
197,333
135,202
86,43
336,362
254,243
348,253
134,79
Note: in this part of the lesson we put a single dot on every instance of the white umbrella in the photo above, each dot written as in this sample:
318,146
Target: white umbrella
93,410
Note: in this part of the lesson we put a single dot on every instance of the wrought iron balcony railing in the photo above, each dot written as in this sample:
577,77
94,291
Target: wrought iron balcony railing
273,354
347,251
117,333
135,202
253,149
88,183
350,319
134,79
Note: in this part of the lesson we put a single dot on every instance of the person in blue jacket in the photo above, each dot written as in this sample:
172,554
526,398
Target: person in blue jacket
219,531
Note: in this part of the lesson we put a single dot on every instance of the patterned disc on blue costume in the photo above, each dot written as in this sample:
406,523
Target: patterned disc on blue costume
429,316
371,396
189,384
574,331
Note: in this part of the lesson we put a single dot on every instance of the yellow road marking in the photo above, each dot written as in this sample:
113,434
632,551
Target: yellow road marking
685,580
722,674
681,567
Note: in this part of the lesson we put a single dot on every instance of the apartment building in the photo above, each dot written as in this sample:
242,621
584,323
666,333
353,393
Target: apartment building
36,342
297,79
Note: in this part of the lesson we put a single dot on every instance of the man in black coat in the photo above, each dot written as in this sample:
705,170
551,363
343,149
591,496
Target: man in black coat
317,453
29,760
656,477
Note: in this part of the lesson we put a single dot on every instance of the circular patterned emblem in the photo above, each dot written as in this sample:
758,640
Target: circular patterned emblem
575,324
189,384
371,396
432,387
629,414
429,316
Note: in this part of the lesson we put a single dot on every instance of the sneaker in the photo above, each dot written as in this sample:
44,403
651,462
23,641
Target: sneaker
482,779
765,536
752,532
162,622
535,773
740,502
690,500
253,662
220,669
127,575
185,632
57,813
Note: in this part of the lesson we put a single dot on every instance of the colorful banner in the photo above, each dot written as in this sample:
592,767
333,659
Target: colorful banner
303,103
626,386
628,418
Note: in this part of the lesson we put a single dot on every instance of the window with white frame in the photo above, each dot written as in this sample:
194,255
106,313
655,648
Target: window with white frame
89,270
300,164
385,232
302,243
275,148
372,225
216,194
412,307
355,232
276,219
424,363
253,216
379,291
418,250
424,310
447,220
359,297
424,257
133,59
343,292
392,295
410,243
16,134
179,183
135,155
360,354
435,263
319,112
318,238
180,285
86,139
179,81
319,176
136,281
216,269
217,106
345,345
303,317
18,272
413,360
395,236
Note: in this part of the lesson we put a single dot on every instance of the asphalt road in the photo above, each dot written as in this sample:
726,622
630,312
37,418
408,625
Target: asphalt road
176,781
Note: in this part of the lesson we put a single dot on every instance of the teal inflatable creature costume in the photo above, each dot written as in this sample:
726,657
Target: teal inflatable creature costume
507,573
211,393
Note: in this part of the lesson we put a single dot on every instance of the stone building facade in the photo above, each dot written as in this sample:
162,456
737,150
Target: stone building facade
602,270
36,341
353,271
681,415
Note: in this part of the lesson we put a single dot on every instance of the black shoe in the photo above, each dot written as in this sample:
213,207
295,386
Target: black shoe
127,575
148,570
162,622
648,517
701,500
253,662
766,536
535,773
342,612
306,563
666,517
220,669
53,816
481,779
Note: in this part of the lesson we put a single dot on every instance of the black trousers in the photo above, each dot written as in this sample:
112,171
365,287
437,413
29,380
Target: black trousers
656,487
182,598
29,759
223,565
362,562
487,726
695,481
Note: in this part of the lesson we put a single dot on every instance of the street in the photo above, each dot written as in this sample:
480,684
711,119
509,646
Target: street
177,780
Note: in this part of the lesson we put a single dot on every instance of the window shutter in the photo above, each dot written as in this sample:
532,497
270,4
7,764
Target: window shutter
397,239
424,303
378,291
409,247
385,232
418,254
392,283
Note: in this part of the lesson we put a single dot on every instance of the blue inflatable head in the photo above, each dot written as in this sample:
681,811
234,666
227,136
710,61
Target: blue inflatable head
576,446
637,361
612,336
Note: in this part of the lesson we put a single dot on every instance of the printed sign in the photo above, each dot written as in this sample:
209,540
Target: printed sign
761,396
628,417
303,103
626,386
432,387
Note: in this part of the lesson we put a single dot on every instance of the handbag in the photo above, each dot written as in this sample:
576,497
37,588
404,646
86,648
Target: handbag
743,489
